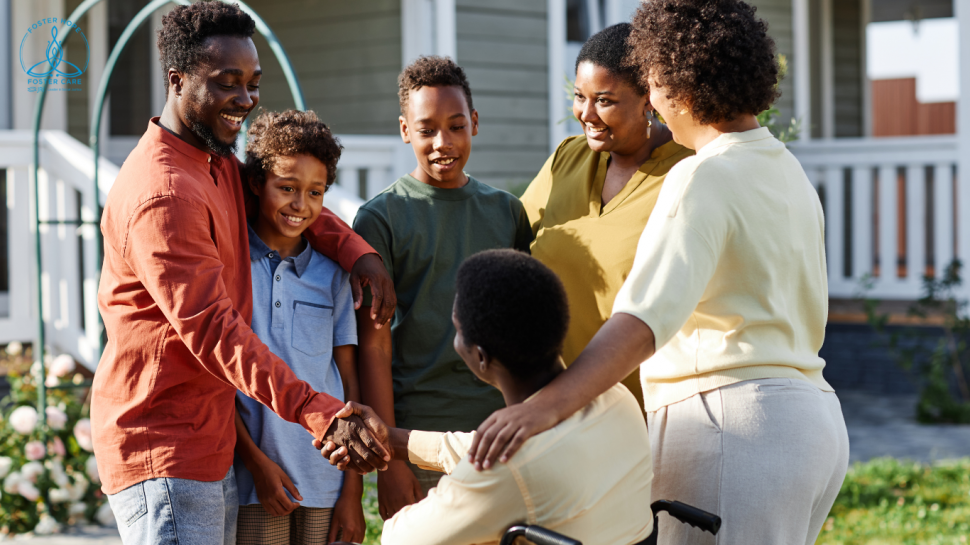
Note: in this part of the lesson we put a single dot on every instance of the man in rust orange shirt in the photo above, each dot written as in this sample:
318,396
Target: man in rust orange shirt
176,298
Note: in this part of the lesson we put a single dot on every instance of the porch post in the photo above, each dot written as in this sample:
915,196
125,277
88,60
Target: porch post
962,13
801,67
556,36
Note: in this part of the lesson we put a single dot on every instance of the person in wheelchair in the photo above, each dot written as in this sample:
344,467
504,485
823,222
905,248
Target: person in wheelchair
588,477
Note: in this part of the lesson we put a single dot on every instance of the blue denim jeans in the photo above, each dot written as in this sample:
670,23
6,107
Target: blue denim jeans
169,511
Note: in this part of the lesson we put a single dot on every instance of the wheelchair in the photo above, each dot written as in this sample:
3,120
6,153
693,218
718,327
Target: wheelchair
680,511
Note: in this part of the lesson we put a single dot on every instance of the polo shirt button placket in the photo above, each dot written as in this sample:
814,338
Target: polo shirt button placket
278,278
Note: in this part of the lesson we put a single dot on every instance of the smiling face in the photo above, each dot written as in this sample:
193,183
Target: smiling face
290,200
439,126
613,113
215,98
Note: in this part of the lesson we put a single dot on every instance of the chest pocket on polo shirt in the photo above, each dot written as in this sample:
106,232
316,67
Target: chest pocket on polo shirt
312,327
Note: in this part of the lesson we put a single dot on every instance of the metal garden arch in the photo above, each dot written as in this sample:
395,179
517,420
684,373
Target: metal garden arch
94,143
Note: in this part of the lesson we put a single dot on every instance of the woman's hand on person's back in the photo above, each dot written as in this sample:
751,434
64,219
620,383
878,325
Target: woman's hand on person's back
502,434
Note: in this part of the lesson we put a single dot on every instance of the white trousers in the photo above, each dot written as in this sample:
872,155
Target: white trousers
768,456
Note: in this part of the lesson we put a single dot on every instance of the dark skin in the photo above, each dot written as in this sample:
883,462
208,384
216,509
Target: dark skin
439,125
615,117
227,86
219,94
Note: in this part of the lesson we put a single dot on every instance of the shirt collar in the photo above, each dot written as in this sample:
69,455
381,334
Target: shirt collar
157,133
259,250
761,133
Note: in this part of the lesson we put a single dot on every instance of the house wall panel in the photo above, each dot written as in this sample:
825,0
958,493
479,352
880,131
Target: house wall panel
346,56
847,65
778,15
502,46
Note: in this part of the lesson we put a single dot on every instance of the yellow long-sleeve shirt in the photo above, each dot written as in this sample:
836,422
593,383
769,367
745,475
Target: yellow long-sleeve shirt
588,478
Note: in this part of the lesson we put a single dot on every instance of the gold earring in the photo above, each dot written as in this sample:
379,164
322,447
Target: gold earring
649,125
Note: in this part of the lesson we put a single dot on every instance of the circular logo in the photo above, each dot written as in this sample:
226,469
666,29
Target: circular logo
53,64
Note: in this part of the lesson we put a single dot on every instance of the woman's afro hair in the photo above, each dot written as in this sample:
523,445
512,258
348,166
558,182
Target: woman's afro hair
285,134
713,56
181,39
514,307
609,49
431,71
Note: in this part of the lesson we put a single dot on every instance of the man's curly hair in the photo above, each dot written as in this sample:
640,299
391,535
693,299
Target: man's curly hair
714,56
609,49
285,134
186,28
514,307
431,71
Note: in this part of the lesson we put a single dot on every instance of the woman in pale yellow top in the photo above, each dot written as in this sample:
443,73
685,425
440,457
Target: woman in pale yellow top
727,297
591,200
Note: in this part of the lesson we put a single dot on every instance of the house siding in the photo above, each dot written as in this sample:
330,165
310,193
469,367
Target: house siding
778,15
346,55
503,48
847,67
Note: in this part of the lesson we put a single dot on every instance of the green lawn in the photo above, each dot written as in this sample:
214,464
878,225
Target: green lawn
886,501
882,502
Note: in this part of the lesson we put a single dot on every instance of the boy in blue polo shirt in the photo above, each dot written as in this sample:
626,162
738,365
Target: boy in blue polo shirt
303,311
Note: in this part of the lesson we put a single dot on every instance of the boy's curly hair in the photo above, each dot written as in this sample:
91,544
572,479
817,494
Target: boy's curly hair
185,30
285,134
514,307
609,49
714,56
431,71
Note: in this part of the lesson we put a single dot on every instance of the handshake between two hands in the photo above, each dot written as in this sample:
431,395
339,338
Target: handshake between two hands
357,440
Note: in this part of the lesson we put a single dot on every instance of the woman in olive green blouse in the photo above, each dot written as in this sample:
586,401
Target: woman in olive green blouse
591,200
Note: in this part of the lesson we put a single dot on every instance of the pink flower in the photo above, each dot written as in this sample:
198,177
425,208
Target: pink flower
56,418
23,419
82,432
57,446
62,366
35,450
51,381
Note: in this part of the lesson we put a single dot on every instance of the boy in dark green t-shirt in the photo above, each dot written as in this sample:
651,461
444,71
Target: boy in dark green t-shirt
424,225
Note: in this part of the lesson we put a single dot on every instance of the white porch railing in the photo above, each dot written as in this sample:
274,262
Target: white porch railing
890,210
369,164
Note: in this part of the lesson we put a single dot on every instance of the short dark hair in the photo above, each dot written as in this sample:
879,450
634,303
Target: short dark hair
514,307
185,30
715,57
431,71
285,134
609,49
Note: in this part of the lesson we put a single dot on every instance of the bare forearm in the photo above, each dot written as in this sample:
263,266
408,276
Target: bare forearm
346,358
245,445
399,443
374,367
619,347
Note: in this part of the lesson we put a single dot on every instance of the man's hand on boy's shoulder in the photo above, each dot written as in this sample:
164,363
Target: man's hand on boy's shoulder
369,270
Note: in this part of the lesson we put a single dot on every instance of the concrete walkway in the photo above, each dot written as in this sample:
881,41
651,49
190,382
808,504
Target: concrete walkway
886,426
878,426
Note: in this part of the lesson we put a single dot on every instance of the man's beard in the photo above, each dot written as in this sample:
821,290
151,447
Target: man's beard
204,133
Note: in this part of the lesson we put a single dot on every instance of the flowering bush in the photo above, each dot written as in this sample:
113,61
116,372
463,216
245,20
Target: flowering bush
49,475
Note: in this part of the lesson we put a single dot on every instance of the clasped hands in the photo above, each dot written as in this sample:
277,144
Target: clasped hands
360,437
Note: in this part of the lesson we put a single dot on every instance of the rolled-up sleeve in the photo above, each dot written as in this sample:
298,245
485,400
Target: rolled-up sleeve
466,507
169,248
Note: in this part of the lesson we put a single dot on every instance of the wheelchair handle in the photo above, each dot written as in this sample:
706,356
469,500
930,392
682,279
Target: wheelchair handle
537,535
698,518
